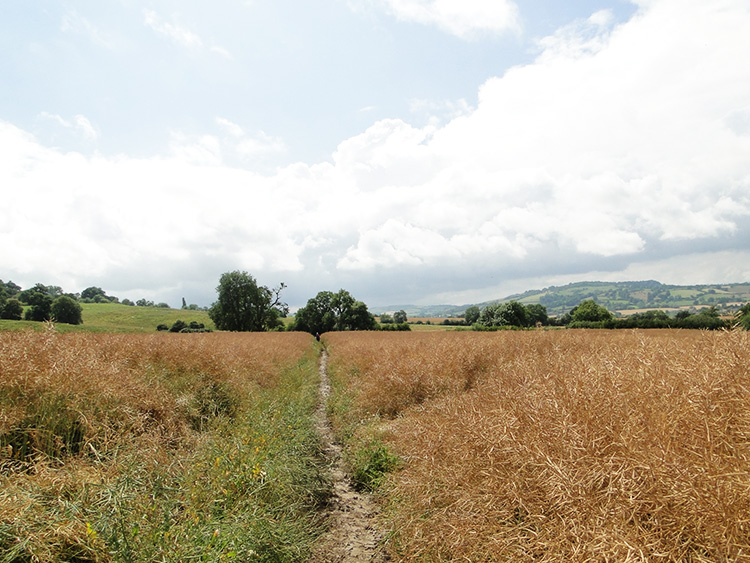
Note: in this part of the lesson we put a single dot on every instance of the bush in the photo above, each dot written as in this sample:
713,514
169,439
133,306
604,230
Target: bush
67,310
395,327
178,326
12,310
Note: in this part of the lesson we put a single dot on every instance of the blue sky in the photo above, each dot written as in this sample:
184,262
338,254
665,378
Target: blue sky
423,151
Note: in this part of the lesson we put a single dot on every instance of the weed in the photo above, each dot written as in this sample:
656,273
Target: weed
370,463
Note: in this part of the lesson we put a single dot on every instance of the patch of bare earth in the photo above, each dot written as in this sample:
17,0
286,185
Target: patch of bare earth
353,533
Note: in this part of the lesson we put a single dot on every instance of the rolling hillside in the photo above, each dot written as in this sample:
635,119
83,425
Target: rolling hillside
115,317
615,296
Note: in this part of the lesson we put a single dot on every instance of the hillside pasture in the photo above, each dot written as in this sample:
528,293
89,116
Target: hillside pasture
116,317
555,445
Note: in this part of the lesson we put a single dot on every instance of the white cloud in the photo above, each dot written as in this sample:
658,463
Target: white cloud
462,18
174,32
80,125
616,150
179,34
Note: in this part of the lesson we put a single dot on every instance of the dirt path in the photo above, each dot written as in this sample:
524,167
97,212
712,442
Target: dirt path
353,535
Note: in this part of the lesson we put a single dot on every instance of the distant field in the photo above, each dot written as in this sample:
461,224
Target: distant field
551,446
431,324
109,317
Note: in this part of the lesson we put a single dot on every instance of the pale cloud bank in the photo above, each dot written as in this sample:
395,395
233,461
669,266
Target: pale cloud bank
617,147
463,18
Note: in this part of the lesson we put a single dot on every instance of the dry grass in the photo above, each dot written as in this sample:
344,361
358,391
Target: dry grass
157,447
560,445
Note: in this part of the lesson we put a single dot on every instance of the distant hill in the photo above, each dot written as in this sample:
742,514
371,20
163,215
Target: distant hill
615,296
115,317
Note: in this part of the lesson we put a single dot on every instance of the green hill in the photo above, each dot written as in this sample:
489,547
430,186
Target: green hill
115,317
615,296
631,296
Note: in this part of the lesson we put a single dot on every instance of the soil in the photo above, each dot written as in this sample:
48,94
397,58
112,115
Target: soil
353,530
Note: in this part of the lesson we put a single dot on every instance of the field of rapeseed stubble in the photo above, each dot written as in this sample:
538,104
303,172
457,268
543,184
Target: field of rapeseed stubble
158,447
554,445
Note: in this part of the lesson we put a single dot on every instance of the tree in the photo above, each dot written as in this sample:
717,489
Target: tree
472,315
511,313
8,289
400,317
41,307
329,311
67,310
537,313
590,311
385,319
12,310
487,315
317,316
94,295
243,305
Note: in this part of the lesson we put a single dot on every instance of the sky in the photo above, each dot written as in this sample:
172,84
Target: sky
409,151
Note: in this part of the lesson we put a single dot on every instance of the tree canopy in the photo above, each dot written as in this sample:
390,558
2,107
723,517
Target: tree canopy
590,311
243,305
329,311
66,310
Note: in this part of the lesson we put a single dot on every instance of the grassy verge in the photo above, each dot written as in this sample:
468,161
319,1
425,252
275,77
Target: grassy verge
158,448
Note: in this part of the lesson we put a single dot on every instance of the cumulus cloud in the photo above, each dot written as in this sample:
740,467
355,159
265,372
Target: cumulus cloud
615,152
462,18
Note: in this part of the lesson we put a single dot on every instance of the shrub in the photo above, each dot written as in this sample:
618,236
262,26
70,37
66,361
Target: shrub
67,310
12,310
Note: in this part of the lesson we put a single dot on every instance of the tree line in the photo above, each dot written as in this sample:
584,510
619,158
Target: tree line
589,314
243,305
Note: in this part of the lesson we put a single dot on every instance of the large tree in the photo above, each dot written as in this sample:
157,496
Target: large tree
590,311
243,305
472,314
67,310
12,309
329,311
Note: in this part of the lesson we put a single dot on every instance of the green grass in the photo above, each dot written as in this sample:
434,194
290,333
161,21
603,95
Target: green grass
115,317
247,484
250,492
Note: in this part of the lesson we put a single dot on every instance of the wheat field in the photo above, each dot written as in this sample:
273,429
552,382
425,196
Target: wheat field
158,447
555,445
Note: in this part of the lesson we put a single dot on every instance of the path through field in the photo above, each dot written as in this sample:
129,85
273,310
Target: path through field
353,534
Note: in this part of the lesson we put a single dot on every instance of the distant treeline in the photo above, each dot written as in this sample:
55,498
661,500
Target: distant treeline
589,314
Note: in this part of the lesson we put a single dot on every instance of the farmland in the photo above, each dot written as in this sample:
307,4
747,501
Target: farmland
554,446
559,445
168,447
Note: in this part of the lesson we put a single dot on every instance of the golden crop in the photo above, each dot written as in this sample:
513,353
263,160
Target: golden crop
558,445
